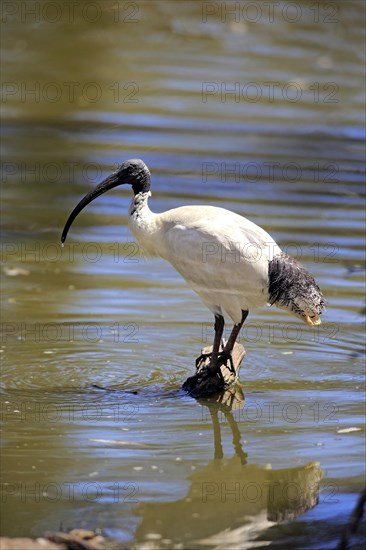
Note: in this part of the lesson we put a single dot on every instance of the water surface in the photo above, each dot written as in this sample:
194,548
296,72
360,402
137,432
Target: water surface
144,462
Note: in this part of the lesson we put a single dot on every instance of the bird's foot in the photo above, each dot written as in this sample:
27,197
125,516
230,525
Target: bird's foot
228,357
211,372
214,368
202,358
222,359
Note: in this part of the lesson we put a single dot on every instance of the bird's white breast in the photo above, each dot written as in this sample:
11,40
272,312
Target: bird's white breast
222,256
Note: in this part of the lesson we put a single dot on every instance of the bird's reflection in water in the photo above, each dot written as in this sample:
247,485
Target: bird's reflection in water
229,502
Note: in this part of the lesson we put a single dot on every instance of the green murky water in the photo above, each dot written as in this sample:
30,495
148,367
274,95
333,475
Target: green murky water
259,111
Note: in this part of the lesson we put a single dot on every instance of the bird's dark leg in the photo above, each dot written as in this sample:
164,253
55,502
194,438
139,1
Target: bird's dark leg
219,329
235,332
219,358
226,353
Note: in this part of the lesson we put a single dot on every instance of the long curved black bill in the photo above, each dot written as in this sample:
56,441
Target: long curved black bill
112,181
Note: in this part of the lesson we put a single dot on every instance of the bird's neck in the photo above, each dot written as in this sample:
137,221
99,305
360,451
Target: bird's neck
139,207
143,223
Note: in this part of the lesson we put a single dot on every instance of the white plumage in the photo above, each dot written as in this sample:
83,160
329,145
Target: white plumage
222,256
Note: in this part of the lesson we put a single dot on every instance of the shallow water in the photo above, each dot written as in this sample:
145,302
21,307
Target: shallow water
144,462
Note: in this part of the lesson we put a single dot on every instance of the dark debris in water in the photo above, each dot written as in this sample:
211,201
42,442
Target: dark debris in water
133,392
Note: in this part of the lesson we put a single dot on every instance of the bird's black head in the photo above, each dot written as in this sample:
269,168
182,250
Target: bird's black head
133,172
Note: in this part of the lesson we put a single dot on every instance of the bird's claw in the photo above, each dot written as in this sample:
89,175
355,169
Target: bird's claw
215,368
223,358
201,358
212,371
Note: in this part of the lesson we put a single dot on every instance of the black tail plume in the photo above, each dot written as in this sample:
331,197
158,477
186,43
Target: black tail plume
293,288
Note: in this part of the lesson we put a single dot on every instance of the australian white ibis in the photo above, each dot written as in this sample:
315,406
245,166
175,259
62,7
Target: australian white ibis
231,263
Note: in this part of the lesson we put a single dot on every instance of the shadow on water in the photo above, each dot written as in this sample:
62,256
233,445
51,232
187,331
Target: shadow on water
230,502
